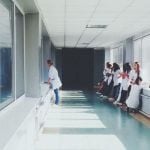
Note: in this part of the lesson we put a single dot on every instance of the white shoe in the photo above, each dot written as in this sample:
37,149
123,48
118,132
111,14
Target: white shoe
55,106
98,93
115,102
101,96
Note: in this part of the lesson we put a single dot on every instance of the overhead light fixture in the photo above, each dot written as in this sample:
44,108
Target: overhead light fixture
85,43
96,26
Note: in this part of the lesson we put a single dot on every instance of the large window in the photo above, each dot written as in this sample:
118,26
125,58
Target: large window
117,55
138,51
141,54
5,52
146,58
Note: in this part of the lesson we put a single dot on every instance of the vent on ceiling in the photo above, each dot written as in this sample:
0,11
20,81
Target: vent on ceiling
96,26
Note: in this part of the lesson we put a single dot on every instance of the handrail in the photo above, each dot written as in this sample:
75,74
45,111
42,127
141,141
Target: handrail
145,96
42,98
40,104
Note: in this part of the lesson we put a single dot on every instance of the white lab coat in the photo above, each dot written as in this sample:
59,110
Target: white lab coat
106,78
133,99
124,86
133,76
116,76
54,78
106,70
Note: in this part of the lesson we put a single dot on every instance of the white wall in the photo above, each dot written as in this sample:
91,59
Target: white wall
32,55
23,121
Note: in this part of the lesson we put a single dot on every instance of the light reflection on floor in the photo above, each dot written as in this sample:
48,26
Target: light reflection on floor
74,125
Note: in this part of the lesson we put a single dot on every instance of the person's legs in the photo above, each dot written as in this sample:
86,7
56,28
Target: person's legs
117,91
56,96
123,96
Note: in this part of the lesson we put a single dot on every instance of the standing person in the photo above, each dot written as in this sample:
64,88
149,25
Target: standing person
133,100
107,83
103,84
135,72
124,85
116,82
54,80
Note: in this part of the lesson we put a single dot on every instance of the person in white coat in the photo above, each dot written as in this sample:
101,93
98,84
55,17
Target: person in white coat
133,99
54,80
134,73
116,82
123,93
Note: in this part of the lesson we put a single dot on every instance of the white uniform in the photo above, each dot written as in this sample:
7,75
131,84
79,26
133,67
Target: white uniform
107,78
54,78
125,83
116,76
133,76
124,86
133,99
106,70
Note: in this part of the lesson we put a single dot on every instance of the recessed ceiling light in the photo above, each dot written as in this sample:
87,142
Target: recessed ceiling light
85,43
96,26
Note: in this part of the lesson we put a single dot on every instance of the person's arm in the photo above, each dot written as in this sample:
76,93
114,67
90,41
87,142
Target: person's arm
49,76
49,80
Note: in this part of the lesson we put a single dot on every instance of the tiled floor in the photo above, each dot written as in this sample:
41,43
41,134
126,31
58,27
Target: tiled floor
83,121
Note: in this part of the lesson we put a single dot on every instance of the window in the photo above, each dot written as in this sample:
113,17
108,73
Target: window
5,52
138,51
117,55
146,58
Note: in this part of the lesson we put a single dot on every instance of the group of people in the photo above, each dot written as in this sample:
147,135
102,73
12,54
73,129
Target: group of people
121,86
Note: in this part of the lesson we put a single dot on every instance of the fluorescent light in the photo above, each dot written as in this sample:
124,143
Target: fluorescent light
96,26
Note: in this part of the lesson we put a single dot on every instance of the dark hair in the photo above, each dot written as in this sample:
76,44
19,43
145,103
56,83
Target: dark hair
138,79
49,62
126,67
108,65
138,68
115,67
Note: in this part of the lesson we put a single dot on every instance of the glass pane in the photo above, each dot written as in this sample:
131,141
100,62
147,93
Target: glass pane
115,55
5,52
138,51
145,59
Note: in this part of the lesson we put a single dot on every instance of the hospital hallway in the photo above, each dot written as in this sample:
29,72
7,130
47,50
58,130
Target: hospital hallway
84,121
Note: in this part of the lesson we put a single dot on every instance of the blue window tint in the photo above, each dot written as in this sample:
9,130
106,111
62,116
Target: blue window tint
5,52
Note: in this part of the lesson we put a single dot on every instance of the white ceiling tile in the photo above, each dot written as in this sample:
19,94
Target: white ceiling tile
123,17
89,35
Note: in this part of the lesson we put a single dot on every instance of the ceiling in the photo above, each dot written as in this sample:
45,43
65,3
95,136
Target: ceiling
27,5
66,21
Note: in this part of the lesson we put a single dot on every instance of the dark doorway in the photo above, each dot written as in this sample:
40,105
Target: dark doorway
77,68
